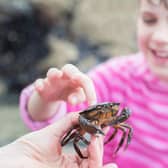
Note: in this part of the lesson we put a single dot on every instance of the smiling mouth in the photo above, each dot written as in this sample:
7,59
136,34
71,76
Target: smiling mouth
160,54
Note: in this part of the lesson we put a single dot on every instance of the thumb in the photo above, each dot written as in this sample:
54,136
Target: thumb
111,165
60,127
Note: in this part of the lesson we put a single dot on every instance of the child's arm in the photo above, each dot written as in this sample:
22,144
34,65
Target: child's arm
67,84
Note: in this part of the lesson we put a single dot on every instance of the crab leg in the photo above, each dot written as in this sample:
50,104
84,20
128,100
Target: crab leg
130,132
77,148
67,139
122,138
111,137
69,135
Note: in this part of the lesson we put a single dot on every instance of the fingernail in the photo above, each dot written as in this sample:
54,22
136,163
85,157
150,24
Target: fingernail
39,85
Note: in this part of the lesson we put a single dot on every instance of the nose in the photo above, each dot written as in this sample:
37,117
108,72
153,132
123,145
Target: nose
160,35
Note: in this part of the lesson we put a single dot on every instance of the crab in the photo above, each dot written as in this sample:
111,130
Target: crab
94,119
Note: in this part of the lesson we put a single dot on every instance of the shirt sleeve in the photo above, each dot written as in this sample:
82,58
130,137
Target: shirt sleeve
29,122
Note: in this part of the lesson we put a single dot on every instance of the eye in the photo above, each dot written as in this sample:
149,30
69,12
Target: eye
149,21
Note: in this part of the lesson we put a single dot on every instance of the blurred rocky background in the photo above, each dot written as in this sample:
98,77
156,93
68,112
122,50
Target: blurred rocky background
38,34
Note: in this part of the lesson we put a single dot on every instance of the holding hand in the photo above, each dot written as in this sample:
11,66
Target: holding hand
42,149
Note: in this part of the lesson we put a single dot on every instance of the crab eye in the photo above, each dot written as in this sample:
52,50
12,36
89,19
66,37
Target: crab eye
111,104
98,107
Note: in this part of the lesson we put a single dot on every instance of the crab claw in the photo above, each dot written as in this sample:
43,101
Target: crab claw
89,127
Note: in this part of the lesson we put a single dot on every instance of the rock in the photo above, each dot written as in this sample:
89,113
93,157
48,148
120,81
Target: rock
61,52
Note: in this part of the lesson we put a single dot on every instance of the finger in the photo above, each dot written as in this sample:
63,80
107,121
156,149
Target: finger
43,88
77,97
54,74
95,152
39,85
46,84
111,165
86,83
59,128
73,73
82,80
69,69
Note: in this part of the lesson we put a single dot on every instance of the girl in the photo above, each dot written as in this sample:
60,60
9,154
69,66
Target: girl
138,81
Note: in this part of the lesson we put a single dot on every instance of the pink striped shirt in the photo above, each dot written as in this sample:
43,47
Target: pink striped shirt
129,81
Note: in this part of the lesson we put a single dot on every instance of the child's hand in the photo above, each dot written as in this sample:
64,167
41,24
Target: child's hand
68,84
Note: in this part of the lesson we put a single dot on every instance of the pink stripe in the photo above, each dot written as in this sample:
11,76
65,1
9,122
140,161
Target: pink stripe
144,104
157,125
148,153
101,91
106,84
158,138
99,88
137,158
139,92
138,84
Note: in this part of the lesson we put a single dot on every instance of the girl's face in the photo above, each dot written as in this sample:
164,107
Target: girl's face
153,35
